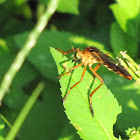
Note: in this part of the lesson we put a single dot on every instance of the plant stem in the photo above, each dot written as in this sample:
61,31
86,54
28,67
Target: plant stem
24,112
5,121
29,44
133,68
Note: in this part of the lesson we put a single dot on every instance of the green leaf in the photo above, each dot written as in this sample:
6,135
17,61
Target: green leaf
127,14
121,41
69,6
105,106
66,6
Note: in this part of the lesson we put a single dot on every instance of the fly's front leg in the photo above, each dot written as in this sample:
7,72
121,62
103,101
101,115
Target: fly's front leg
70,70
64,53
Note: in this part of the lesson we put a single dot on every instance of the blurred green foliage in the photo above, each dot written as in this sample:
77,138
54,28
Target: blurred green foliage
113,26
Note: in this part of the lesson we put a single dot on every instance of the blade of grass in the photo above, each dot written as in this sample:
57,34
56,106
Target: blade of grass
6,121
24,112
29,44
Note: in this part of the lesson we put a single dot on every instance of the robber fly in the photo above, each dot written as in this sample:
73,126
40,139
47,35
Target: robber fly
88,57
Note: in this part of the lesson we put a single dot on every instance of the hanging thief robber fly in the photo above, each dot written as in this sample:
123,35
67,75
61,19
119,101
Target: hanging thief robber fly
88,57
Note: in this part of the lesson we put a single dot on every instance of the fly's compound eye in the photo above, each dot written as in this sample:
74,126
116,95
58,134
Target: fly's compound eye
75,56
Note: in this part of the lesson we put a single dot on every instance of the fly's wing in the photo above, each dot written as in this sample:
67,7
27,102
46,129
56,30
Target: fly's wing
110,63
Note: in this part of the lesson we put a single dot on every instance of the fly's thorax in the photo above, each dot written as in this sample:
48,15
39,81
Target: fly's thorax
87,58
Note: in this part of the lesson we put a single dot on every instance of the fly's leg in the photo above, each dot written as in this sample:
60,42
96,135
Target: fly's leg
90,98
76,83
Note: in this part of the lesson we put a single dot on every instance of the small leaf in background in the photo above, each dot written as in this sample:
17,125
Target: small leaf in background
69,6
127,14
133,133
121,41
105,106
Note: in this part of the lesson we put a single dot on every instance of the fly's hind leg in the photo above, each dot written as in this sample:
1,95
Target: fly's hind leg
90,98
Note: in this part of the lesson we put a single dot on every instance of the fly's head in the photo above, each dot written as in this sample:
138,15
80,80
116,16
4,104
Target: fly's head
77,57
